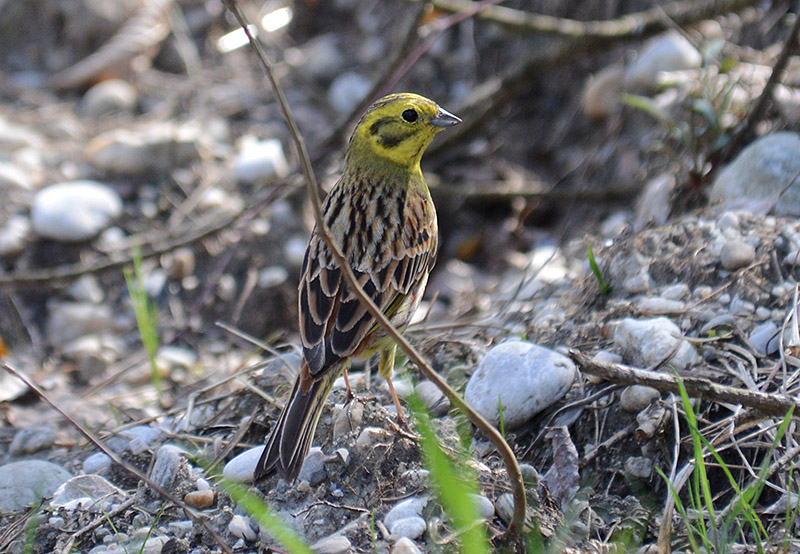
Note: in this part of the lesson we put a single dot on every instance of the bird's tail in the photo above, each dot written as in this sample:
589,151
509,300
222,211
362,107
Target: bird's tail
290,439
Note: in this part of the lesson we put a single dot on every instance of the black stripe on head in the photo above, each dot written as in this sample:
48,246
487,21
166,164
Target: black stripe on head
390,141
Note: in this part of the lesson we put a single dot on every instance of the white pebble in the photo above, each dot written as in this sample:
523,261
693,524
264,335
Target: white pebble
74,211
648,342
259,160
241,468
412,527
240,527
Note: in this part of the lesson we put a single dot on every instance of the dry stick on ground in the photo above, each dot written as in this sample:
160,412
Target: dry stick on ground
768,403
515,475
755,115
197,518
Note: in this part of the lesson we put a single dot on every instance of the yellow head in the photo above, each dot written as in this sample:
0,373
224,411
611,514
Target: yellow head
398,128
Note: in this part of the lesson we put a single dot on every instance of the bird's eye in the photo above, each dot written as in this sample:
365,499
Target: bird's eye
410,115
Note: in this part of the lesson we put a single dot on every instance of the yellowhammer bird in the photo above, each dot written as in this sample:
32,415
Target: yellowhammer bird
381,216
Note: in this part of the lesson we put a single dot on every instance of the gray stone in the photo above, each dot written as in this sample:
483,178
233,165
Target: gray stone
648,342
667,52
736,254
484,505
260,160
765,338
371,437
525,377
756,179
74,211
639,467
412,527
166,466
68,321
636,398
337,544
32,439
241,467
405,546
14,235
240,526
410,507
89,492
109,97
24,483
504,505
433,398
96,463
313,468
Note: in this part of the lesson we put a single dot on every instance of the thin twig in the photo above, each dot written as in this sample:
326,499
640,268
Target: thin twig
197,518
755,115
515,475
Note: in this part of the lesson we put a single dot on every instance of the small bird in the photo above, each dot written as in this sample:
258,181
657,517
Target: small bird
381,215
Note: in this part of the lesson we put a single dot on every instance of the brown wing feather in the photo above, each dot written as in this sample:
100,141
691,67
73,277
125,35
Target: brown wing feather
333,322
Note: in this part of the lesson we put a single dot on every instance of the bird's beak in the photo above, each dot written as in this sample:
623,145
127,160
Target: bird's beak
444,119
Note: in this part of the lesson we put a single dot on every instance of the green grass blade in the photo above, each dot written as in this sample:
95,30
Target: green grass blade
452,485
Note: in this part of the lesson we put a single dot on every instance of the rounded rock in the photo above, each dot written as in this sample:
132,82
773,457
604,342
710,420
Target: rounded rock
199,499
647,342
23,483
240,527
30,440
412,527
259,160
109,97
736,254
636,398
74,211
639,467
313,468
241,467
758,177
96,463
405,546
410,507
337,544
525,377
668,52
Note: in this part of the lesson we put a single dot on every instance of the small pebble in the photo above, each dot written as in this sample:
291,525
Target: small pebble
313,468
33,439
405,546
370,437
165,469
14,235
199,499
433,398
504,505
107,98
410,507
678,291
337,544
667,52
649,341
181,528
765,338
348,418
639,467
636,398
239,526
412,527
658,305
259,160
74,211
241,467
484,505
92,492
96,463
736,254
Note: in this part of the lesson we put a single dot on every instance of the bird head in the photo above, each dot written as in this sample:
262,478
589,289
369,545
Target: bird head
398,128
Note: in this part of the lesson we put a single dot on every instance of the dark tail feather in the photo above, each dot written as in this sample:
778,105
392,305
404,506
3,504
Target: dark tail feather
290,439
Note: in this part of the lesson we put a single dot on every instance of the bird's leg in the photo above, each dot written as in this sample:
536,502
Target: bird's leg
385,370
350,394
